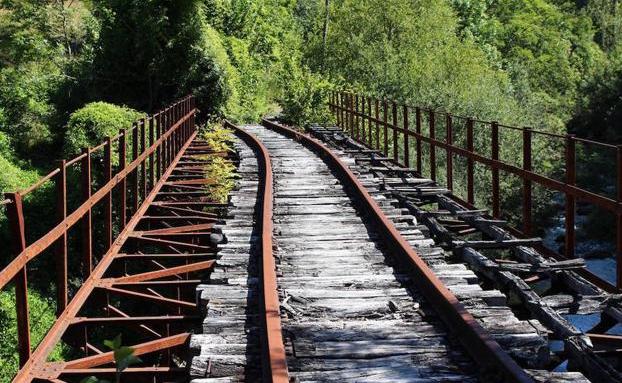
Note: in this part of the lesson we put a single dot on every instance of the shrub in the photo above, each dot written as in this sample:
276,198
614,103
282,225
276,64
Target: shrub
305,99
90,125
42,317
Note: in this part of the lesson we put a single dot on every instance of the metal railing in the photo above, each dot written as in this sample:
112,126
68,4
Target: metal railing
404,132
97,178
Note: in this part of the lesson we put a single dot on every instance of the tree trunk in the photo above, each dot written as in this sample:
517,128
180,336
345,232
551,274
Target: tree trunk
325,31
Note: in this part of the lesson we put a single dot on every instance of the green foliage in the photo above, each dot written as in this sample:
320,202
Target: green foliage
123,358
410,51
42,315
41,44
306,99
219,169
90,125
546,47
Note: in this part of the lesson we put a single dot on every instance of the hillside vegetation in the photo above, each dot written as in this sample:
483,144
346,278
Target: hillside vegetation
75,71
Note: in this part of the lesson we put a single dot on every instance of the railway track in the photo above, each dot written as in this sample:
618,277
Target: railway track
325,274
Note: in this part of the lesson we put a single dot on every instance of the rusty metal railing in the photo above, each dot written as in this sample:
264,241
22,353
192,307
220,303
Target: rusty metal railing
154,142
404,132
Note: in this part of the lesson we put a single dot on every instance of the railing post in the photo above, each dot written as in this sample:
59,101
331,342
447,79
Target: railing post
571,179
470,163
363,134
143,148
152,155
352,116
385,121
337,109
496,205
168,138
432,146
527,192
159,151
377,114
87,221
340,110
123,182
396,156
449,153
61,243
418,140
135,171
619,220
356,117
406,138
369,123
15,215
108,198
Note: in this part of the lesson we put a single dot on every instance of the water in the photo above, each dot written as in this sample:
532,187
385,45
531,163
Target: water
603,267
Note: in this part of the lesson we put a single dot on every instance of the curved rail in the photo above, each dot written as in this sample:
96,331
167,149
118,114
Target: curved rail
484,350
273,355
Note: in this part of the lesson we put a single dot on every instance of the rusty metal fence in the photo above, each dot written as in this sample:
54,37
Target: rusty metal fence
439,145
94,178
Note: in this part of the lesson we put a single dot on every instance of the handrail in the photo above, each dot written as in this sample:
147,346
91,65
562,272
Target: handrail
401,128
151,160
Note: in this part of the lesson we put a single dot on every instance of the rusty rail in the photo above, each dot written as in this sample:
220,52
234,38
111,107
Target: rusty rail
273,353
175,126
397,141
493,361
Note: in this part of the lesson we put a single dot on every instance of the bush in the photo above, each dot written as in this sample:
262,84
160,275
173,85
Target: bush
306,98
42,317
90,125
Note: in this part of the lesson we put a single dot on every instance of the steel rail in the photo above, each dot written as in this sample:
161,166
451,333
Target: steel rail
486,352
38,358
273,353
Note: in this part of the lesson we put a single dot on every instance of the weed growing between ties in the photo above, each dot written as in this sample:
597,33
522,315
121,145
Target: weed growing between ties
219,169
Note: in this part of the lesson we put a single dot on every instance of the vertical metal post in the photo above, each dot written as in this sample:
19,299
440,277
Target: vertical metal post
340,110
449,153
61,244
406,138
377,114
352,116
143,166
152,155
363,135
527,198
432,123
335,107
470,163
15,215
571,179
396,157
123,181
496,204
385,121
159,151
135,171
418,140
619,221
168,138
356,116
108,199
369,123
87,220
345,111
